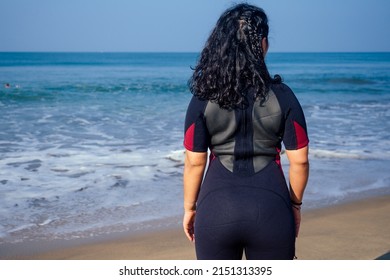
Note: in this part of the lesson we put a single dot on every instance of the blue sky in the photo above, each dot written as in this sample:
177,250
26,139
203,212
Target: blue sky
184,25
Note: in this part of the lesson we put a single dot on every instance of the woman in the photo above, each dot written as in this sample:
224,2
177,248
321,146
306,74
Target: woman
242,115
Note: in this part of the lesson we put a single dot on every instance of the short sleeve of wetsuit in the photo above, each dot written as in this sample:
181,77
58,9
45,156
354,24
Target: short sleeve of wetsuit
196,136
295,131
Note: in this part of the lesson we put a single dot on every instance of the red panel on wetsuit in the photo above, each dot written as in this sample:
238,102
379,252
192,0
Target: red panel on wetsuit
189,138
301,136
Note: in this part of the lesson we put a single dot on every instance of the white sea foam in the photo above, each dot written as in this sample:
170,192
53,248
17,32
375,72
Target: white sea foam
352,154
176,156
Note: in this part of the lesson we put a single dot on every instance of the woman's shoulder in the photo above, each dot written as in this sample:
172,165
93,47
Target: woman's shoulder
281,88
196,100
285,95
197,104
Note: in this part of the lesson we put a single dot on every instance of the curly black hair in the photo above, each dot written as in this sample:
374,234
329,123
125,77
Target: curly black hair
232,61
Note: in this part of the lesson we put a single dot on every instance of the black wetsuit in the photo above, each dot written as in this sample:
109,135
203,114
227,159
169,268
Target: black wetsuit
244,202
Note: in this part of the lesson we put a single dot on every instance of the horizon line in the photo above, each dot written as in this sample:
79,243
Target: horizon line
172,52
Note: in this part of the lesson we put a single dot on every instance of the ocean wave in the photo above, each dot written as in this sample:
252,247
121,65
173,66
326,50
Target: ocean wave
178,155
88,59
349,80
352,154
81,92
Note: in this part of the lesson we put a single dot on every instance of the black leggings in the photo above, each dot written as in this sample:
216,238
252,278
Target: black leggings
236,216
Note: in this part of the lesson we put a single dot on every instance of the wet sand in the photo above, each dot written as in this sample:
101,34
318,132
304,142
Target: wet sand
358,230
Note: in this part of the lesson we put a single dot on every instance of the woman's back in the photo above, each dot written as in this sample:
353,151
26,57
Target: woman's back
247,139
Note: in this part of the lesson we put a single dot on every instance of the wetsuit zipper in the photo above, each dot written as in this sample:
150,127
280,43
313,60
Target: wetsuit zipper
243,156
244,134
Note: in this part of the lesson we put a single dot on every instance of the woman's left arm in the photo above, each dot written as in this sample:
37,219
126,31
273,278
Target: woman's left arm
194,167
298,176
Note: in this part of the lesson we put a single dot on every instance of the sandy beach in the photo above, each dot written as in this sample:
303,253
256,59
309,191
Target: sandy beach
358,230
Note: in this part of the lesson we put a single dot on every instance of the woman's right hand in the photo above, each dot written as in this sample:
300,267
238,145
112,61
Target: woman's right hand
297,218
188,224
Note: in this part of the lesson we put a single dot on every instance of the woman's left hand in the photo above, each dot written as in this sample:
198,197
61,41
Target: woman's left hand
188,224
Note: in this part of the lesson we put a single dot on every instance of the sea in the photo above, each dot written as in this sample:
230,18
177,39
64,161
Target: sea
91,143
